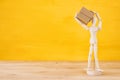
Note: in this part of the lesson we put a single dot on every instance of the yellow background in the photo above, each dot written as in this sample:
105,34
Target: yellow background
46,30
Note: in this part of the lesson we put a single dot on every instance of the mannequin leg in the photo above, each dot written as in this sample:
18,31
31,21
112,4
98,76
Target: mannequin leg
90,56
96,56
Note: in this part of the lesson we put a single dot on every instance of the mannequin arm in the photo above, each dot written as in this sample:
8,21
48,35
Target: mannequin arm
99,21
100,25
83,25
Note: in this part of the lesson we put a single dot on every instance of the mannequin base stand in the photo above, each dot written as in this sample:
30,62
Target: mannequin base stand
93,71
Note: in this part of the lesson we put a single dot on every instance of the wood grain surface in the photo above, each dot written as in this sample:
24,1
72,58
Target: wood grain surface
37,70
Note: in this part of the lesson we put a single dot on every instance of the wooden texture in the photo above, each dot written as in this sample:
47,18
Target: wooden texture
55,71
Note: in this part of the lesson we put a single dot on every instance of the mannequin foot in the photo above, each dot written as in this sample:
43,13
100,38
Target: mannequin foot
94,73
90,72
99,70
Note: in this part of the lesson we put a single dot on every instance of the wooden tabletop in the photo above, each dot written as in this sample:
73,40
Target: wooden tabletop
37,70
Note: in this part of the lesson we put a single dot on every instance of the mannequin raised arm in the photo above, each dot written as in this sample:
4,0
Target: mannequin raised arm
99,21
82,24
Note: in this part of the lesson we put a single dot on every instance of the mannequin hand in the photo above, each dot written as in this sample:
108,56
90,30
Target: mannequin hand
94,12
81,22
75,15
98,16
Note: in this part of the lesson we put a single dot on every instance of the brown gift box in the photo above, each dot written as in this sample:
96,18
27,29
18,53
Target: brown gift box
85,16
